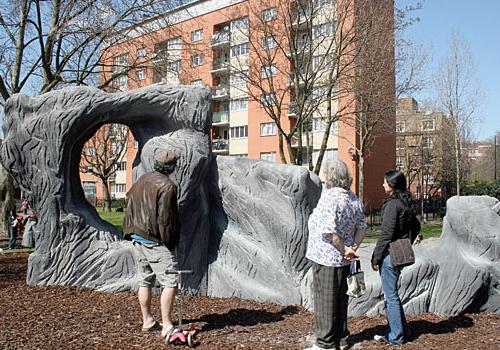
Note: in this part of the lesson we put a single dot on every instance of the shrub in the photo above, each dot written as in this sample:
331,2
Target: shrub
491,189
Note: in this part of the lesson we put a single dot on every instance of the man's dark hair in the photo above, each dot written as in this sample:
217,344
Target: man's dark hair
164,168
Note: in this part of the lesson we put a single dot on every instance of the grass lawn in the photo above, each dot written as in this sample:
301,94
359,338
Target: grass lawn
17,250
430,229
114,218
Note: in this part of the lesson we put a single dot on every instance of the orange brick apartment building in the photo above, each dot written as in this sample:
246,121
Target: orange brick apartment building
212,43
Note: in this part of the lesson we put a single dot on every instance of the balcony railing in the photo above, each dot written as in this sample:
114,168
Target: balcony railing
220,66
220,145
292,109
220,92
220,117
220,38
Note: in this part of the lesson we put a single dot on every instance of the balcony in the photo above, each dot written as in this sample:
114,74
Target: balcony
299,21
220,39
220,93
292,77
220,146
220,118
220,67
292,110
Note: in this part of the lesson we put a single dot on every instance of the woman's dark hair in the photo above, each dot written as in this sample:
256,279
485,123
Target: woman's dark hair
397,181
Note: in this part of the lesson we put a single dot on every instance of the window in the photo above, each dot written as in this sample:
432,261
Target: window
196,60
239,77
239,132
197,82
120,188
239,24
175,66
269,156
319,124
322,61
267,129
267,100
174,43
428,125
240,104
140,74
90,151
136,144
120,62
322,30
426,142
400,126
89,188
121,166
268,71
400,143
400,161
307,126
141,52
319,92
238,50
329,154
269,14
120,82
268,42
197,35
320,3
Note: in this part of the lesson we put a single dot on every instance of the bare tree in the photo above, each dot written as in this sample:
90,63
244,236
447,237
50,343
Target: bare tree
49,44
301,50
411,57
458,95
45,45
102,153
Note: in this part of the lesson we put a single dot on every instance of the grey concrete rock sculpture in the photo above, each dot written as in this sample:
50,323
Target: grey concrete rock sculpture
456,273
262,225
244,222
44,137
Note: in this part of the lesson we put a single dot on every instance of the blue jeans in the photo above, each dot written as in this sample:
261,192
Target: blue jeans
13,237
398,328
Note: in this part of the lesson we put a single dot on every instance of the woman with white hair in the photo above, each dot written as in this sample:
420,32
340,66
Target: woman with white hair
336,228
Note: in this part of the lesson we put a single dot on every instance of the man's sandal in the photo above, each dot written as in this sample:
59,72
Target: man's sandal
167,335
154,328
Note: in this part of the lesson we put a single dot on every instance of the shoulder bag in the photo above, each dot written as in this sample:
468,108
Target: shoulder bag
401,253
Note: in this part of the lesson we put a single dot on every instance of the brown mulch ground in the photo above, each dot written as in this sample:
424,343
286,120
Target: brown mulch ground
78,318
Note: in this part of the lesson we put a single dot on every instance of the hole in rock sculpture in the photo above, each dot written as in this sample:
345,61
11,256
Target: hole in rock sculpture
103,170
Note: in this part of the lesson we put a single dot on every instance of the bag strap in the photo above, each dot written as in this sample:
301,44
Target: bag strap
355,266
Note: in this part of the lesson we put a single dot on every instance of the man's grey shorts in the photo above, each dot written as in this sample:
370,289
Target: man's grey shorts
152,264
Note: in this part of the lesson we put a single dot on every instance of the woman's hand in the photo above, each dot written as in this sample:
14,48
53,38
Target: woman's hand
350,253
374,267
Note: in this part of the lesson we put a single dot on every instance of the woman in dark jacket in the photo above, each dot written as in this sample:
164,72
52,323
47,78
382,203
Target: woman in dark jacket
396,213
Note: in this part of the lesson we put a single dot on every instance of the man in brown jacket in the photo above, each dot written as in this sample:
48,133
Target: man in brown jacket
152,223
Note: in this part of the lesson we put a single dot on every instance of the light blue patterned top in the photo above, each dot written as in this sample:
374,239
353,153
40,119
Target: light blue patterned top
338,211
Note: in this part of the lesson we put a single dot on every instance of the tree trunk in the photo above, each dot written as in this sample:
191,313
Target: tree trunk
361,169
457,161
324,143
291,151
280,147
107,196
298,154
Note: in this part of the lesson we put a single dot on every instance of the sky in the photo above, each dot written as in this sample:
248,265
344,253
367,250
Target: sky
479,23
